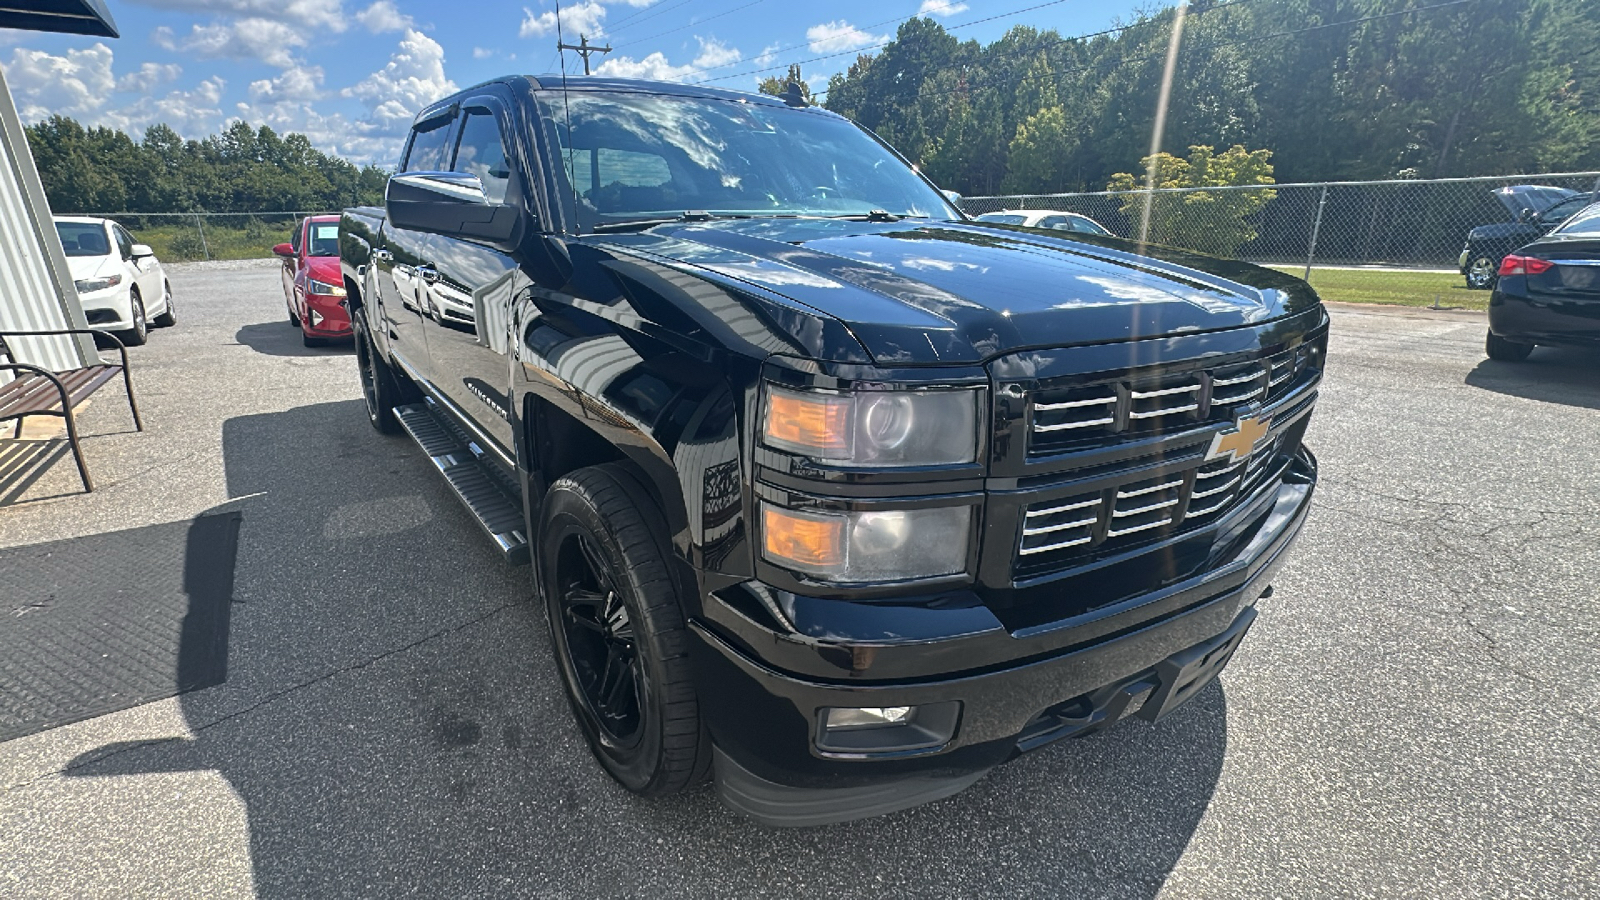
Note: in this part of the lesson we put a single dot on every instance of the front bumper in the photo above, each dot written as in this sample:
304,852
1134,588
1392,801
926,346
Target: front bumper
108,310
1058,681
325,316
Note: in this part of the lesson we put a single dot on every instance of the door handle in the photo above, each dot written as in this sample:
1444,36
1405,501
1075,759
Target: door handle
429,274
383,256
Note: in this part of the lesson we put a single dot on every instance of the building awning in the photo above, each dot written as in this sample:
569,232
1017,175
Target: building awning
68,16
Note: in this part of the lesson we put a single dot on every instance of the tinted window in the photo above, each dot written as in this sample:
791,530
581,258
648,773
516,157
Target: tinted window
1054,221
83,238
1586,222
1086,226
428,149
480,152
294,241
1565,208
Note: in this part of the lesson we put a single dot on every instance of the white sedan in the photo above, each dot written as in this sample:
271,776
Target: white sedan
121,284
1047,218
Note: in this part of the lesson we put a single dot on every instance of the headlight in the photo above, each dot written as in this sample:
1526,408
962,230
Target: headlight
325,289
867,547
874,428
90,285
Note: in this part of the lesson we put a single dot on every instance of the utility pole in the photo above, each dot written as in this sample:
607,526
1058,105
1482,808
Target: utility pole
584,48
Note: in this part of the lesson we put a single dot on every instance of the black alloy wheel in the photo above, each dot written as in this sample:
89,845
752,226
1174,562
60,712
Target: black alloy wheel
618,631
600,641
1482,273
380,386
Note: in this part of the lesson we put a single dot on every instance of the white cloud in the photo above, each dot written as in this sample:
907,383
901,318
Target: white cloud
944,8
269,41
327,14
413,78
656,67
481,53
383,16
587,17
149,76
300,84
833,37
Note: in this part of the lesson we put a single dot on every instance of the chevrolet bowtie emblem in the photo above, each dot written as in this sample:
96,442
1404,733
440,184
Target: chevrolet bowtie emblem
1240,441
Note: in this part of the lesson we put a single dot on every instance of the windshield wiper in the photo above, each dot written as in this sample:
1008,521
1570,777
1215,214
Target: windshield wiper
688,215
876,215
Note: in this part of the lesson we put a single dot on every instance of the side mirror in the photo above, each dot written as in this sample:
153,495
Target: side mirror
453,204
284,250
1527,215
141,251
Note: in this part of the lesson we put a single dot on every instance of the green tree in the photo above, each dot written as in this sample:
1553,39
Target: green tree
1211,222
777,87
1038,153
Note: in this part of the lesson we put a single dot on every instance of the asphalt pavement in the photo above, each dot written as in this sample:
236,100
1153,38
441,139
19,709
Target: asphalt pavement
1412,716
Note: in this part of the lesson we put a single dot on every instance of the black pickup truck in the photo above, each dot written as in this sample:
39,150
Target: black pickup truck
828,490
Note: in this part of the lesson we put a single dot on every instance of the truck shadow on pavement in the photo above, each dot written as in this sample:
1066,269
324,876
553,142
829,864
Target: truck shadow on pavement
393,724
1552,374
283,339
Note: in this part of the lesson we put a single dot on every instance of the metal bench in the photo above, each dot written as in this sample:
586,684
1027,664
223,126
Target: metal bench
36,391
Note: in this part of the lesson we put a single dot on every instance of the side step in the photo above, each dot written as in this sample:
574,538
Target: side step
497,510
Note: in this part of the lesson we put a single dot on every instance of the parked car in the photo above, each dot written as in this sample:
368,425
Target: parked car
830,490
1534,209
1549,291
121,284
1047,218
313,290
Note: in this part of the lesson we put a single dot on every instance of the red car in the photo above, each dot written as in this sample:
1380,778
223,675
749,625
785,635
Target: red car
313,288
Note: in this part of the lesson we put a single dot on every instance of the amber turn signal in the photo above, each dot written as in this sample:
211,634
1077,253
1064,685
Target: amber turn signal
806,541
809,423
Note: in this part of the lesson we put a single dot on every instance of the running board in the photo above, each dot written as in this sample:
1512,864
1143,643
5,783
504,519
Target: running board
496,509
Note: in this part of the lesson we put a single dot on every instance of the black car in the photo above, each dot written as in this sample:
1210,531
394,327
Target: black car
826,488
1535,209
1549,291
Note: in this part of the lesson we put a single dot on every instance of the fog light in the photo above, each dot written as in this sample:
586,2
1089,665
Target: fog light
842,719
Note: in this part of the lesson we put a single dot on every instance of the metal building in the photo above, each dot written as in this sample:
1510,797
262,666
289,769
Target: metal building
36,292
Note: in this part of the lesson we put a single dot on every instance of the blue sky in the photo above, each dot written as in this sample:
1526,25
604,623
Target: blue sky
351,73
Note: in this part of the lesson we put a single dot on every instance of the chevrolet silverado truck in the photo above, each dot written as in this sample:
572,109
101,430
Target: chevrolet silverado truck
829,492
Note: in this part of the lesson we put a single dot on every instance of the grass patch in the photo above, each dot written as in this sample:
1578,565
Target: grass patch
1398,288
223,237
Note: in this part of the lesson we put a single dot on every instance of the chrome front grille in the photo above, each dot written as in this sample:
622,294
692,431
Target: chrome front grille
1066,419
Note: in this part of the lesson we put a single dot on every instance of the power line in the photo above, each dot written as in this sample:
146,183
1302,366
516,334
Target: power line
884,44
583,48
641,16
695,24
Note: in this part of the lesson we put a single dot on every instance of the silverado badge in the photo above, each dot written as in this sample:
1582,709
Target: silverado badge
1240,441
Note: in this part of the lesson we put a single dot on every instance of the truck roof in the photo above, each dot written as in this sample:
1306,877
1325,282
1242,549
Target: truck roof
555,82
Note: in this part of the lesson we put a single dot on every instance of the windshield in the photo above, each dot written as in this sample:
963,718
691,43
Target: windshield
84,238
647,156
324,239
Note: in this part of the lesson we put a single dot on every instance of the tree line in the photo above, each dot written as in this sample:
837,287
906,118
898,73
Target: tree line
243,170
1331,89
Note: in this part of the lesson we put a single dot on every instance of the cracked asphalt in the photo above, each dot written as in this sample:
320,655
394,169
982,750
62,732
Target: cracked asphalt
1412,716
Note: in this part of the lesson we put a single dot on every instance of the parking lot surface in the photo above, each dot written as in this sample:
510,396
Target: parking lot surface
1413,715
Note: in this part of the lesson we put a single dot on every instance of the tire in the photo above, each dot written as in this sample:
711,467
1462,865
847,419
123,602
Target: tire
1481,273
1509,351
618,631
293,319
169,316
380,386
140,332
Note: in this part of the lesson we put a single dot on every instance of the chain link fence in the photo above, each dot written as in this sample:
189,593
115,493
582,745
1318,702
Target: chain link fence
1373,241
194,237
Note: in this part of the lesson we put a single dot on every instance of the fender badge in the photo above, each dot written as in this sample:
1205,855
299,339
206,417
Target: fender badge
1240,441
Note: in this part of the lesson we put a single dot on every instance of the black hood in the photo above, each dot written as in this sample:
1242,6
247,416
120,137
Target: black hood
943,293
